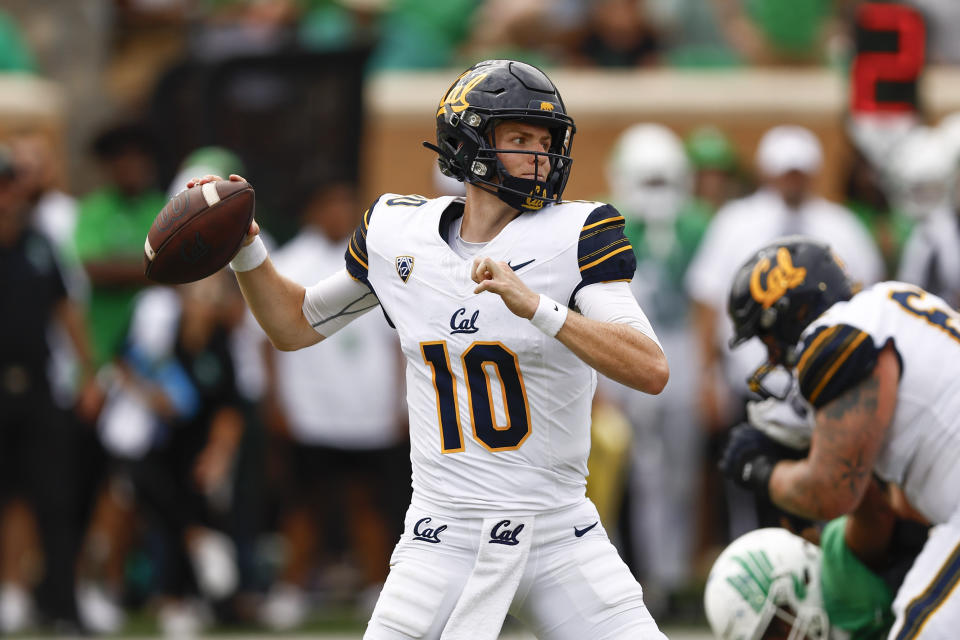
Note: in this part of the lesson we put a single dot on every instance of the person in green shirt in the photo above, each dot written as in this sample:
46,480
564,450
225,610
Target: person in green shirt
717,174
866,195
111,228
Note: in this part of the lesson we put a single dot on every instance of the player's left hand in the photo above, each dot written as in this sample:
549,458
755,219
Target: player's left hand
749,458
499,278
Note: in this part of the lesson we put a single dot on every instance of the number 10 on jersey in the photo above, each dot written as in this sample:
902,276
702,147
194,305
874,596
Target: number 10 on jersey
480,361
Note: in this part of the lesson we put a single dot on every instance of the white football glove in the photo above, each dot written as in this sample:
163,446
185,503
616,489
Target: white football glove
790,422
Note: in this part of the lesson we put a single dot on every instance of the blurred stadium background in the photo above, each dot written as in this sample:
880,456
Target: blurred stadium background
106,106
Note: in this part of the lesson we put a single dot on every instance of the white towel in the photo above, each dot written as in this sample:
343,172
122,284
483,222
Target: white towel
488,592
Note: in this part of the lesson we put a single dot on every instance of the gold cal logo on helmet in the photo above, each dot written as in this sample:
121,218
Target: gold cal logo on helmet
456,97
780,279
546,106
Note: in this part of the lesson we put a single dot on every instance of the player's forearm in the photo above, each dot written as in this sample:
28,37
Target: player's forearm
618,351
869,529
277,304
796,487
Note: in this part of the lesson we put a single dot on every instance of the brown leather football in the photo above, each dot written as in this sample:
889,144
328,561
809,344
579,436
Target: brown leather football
198,232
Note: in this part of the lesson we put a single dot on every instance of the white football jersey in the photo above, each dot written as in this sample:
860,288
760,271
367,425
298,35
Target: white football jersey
499,411
922,447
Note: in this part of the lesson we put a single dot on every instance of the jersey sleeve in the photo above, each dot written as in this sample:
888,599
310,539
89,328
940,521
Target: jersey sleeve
604,254
356,254
834,359
855,598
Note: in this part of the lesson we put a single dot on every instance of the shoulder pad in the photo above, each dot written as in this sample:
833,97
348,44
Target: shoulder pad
356,254
834,359
604,253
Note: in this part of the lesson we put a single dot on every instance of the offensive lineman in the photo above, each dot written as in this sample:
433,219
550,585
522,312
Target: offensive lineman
880,370
506,302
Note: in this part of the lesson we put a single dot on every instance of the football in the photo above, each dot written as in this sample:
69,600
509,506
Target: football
198,232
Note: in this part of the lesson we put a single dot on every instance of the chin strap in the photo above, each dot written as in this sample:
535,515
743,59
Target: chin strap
444,161
432,147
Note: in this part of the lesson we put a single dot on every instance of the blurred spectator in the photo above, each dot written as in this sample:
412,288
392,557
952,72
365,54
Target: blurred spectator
221,161
921,172
650,179
337,24
788,159
15,55
227,28
113,223
716,169
245,517
925,174
941,18
949,127
172,423
36,440
338,416
691,33
54,214
212,160
618,34
766,32
421,34
539,32
865,195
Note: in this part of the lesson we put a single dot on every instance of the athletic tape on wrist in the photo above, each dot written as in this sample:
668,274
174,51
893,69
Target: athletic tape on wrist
250,257
549,316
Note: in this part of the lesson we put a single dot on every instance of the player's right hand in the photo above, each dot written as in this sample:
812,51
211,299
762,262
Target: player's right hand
497,277
254,227
749,458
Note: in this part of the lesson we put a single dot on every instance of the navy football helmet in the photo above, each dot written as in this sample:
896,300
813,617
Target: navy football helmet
484,95
784,287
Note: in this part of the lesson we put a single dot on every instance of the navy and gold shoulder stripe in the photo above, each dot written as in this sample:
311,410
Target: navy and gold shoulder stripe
604,254
833,360
356,254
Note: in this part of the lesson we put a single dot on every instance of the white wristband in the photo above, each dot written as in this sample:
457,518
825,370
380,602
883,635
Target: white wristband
250,257
549,316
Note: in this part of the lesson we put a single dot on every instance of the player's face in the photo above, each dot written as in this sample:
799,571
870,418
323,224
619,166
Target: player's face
519,136
794,186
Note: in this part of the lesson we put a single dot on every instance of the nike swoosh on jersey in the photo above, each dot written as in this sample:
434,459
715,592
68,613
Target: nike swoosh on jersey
516,267
579,532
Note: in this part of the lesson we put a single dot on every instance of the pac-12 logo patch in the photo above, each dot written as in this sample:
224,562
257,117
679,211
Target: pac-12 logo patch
404,267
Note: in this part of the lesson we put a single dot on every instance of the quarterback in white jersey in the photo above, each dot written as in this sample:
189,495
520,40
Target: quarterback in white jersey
506,303
480,379
880,370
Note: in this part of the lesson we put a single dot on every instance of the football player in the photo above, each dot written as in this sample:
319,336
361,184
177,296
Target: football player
773,584
507,302
878,370
766,584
